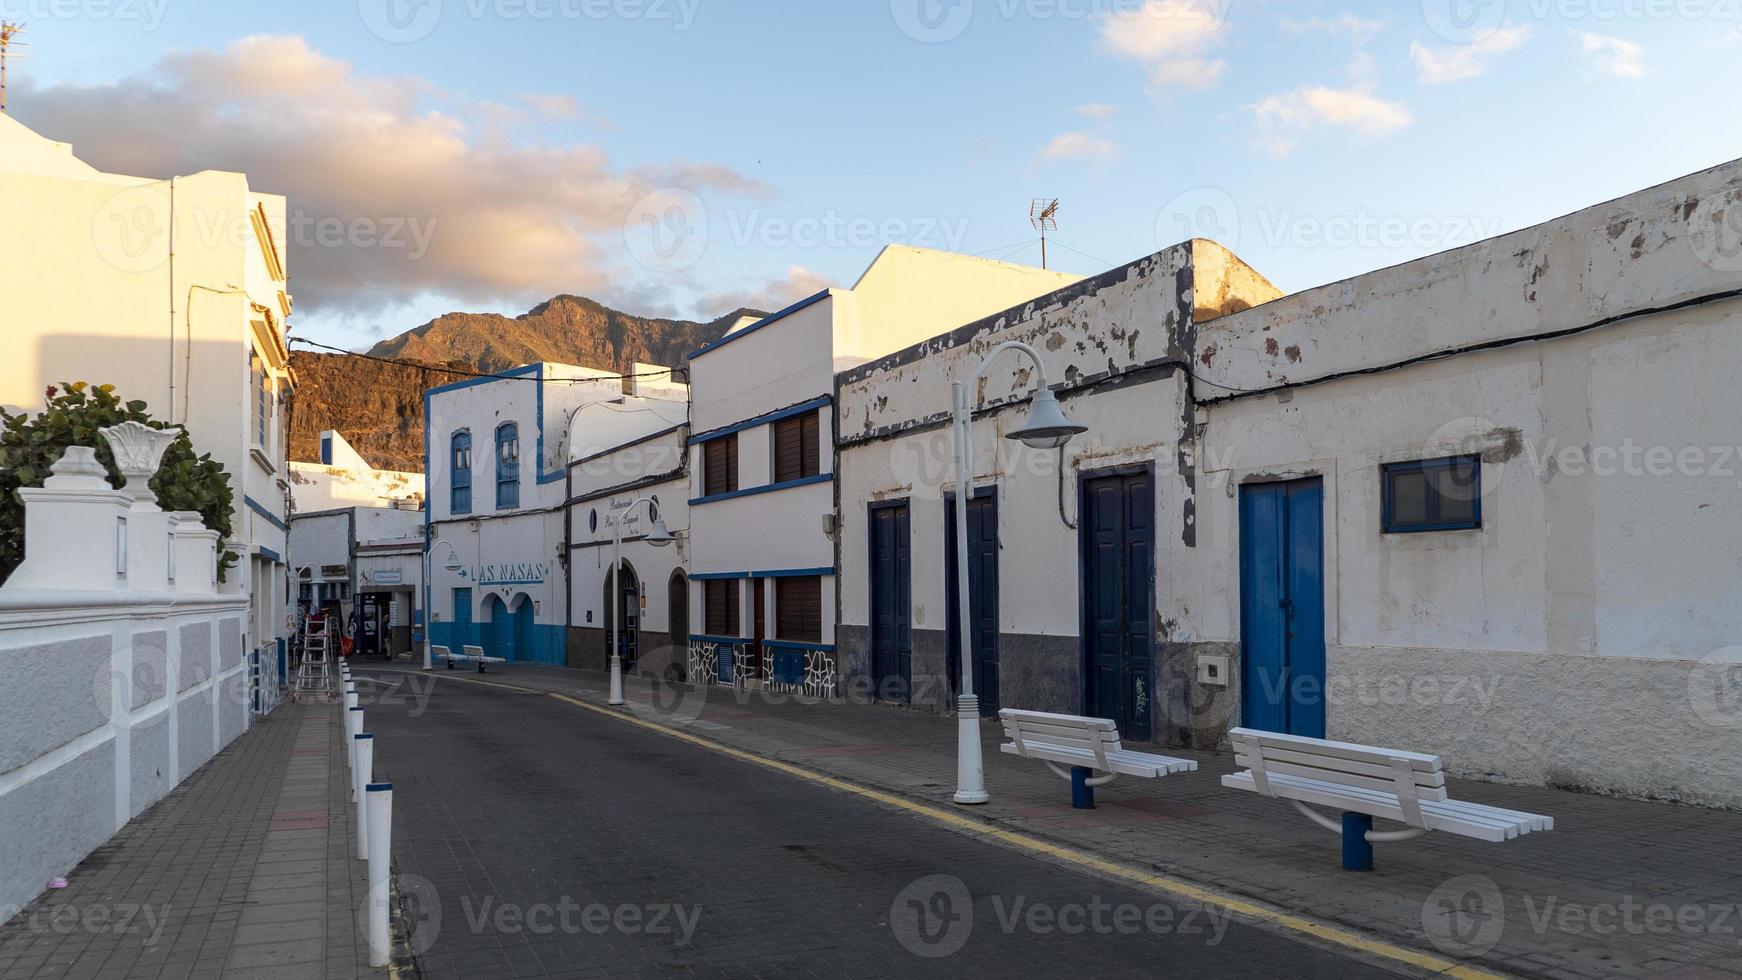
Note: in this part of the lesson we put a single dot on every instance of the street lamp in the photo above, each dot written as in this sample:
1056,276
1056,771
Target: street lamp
1045,428
657,536
453,564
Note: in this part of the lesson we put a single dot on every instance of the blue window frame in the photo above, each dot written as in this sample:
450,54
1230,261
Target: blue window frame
1432,494
460,496
507,466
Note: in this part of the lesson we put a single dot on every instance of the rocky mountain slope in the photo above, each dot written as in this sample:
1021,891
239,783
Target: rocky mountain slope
379,407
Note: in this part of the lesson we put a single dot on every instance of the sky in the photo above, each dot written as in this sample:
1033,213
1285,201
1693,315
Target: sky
687,157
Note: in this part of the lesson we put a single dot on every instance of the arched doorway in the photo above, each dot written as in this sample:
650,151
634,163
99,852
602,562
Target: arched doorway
525,643
678,619
500,631
628,605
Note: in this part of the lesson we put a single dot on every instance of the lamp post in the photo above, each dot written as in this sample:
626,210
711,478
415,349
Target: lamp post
1045,428
453,564
657,536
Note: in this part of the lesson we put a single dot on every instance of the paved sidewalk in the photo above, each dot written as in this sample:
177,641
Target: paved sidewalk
1619,888
243,871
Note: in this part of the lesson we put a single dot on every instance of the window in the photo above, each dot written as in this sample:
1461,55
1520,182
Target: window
720,465
1432,494
721,601
262,411
507,466
798,608
796,447
460,497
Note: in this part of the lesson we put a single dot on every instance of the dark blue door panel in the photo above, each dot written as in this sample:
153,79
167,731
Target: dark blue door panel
1282,610
982,595
891,603
1118,540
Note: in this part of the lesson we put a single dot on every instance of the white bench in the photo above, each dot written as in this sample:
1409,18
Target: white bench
1087,745
470,655
1365,781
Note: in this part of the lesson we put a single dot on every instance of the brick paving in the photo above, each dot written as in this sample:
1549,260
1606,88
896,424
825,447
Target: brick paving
243,871
1619,888
670,859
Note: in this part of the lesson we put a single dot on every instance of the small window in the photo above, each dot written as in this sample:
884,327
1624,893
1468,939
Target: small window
507,466
1432,494
797,447
720,465
798,608
262,413
460,497
720,614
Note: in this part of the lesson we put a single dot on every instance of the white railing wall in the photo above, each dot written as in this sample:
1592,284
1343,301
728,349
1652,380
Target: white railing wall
121,668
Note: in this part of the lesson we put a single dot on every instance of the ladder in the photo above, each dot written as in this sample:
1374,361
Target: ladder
314,674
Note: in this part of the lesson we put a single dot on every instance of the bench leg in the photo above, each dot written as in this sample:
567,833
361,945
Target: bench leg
1082,794
1357,850
480,666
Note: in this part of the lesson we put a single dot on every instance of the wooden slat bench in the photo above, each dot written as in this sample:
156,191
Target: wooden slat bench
1366,781
469,655
1087,746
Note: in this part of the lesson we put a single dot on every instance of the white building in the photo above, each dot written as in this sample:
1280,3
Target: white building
496,452
627,449
351,561
343,478
1484,503
175,292
762,495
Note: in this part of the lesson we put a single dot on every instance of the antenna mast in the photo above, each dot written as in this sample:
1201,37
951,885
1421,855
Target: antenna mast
8,41
1043,215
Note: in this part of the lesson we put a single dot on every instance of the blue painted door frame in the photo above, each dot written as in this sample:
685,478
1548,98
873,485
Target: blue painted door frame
982,594
501,630
891,601
462,619
1282,607
1116,541
525,638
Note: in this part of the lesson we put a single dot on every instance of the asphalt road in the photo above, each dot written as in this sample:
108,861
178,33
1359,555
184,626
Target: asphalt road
534,838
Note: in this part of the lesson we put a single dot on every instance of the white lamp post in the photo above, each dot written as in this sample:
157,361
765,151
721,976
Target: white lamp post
657,536
1045,428
453,564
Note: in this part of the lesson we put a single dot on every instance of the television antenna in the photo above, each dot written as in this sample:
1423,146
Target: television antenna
8,41
1043,215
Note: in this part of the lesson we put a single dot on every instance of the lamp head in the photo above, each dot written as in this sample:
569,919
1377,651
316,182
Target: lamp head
657,535
1046,426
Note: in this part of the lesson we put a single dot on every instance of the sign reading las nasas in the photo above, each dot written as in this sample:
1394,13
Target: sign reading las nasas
514,573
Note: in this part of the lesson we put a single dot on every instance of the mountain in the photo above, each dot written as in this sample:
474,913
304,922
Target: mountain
378,407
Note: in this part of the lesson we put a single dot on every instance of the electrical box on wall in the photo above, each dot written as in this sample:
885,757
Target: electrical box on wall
1213,670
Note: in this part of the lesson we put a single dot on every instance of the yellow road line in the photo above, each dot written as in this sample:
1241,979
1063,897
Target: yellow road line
1325,932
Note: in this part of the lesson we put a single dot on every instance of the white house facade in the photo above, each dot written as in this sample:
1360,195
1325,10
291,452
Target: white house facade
1483,503
496,453
174,291
762,499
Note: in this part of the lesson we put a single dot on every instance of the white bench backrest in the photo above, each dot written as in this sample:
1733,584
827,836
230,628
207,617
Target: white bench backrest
472,651
1097,735
1412,776
439,651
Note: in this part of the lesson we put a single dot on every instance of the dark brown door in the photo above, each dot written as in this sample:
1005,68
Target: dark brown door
760,626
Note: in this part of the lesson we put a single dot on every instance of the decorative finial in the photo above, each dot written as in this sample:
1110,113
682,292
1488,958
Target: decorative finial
138,450
78,469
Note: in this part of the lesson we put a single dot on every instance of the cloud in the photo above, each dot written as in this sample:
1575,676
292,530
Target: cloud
1461,62
1280,120
1173,37
505,223
1076,146
1357,29
1612,55
774,294
1097,110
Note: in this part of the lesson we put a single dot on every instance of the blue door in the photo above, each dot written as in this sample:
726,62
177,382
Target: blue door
891,603
462,619
1118,545
982,594
524,639
1282,607
501,631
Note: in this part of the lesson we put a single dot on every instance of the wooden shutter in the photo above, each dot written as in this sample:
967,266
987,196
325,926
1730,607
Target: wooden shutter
797,449
798,609
720,465
721,607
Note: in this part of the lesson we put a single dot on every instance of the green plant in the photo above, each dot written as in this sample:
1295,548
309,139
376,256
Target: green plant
71,415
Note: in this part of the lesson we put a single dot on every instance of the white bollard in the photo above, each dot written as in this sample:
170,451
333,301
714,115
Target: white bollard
353,728
380,797
360,779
